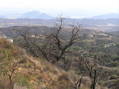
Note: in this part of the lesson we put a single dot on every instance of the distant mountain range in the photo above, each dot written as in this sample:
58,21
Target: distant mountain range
107,16
41,15
35,15
26,15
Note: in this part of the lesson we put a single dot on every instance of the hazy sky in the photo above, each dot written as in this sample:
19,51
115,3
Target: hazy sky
71,8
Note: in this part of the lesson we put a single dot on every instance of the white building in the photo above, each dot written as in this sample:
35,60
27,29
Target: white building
4,36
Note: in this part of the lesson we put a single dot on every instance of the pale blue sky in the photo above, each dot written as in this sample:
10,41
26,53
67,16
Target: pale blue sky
71,8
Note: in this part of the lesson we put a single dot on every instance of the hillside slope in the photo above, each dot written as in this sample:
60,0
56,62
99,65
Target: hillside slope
21,71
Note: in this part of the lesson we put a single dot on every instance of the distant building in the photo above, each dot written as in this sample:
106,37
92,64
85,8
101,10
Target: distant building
10,40
2,35
7,38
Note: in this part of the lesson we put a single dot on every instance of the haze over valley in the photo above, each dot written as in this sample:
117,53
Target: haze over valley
106,22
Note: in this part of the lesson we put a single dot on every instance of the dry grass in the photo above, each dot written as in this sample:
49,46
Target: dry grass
34,73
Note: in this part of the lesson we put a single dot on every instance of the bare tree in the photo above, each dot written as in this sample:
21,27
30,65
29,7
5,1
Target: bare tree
63,46
94,79
8,71
78,83
11,76
92,70
52,47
